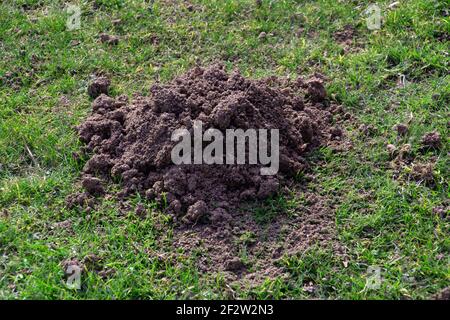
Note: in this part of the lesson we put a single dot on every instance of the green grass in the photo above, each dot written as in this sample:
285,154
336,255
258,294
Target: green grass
381,220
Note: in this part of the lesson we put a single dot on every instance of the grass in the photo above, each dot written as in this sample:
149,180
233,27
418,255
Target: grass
383,218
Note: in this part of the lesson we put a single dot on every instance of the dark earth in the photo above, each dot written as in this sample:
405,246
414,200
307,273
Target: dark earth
130,142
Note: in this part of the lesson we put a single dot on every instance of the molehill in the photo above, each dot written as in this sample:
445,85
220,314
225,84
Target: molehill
130,141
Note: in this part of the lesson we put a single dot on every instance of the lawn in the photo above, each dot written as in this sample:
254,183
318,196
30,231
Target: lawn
387,217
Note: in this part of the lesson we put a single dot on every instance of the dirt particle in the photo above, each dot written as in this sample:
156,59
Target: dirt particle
421,172
219,215
402,129
309,287
391,149
81,200
109,39
91,262
140,210
4,214
72,266
345,36
336,132
405,152
66,224
92,185
106,273
268,188
443,294
64,101
131,140
195,212
234,265
366,130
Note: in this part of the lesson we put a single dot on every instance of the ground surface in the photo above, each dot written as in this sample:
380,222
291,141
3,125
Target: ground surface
386,212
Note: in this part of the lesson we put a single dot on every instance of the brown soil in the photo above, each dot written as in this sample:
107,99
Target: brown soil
402,129
132,140
98,86
247,253
443,295
431,140
109,39
347,38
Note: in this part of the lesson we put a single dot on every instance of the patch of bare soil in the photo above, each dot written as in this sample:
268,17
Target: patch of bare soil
130,141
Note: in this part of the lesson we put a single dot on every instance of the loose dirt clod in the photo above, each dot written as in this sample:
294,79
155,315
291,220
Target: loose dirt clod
98,86
402,129
132,140
235,264
441,212
431,140
423,172
346,35
405,153
92,185
109,39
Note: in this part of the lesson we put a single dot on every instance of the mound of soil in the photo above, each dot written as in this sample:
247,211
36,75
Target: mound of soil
131,140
